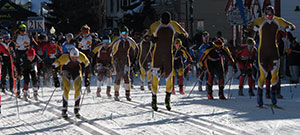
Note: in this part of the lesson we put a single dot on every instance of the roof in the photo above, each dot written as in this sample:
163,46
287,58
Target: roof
12,11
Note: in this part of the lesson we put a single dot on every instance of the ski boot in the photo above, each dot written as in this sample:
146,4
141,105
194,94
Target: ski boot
181,91
154,102
173,91
76,112
3,90
88,89
116,96
278,93
142,87
279,96
221,93
259,97
273,95
64,114
240,92
108,91
209,96
98,92
127,93
35,95
180,82
18,94
167,101
209,92
200,86
25,95
251,92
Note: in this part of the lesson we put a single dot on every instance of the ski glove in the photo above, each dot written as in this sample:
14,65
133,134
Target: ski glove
288,28
56,82
86,82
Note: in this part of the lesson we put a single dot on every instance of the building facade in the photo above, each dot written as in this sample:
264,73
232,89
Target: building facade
207,15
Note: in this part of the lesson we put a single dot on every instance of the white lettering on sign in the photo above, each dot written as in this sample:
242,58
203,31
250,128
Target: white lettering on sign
36,24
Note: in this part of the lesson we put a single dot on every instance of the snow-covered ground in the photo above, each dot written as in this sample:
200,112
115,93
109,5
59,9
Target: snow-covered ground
192,115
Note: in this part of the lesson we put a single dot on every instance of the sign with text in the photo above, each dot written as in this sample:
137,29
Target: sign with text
234,16
35,24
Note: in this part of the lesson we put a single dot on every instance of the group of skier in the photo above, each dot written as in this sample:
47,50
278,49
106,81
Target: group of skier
160,53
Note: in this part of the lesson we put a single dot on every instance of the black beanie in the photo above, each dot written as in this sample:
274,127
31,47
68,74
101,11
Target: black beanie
165,17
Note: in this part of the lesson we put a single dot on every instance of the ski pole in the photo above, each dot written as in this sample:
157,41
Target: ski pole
49,100
83,95
13,76
196,83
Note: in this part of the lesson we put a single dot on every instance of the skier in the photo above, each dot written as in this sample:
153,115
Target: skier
70,69
85,41
22,41
163,35
6,63
123,49
245,56
205,44
50,52
268,53
145,59
3,49
212,59
104,65
68,44
180,55
30,70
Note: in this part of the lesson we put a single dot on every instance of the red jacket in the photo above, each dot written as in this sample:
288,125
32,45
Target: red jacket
245,55
51,48
3,49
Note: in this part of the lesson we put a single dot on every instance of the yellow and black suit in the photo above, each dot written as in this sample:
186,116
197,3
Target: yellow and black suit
122,49
163,52
180,55
268,53
71,72
213,61
104,67
145,59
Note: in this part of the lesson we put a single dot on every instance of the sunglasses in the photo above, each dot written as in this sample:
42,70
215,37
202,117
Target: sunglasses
123,32
74,58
